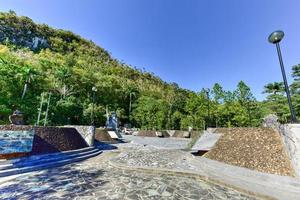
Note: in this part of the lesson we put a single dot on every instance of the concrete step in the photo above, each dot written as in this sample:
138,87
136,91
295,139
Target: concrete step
42,156
49,163
47,159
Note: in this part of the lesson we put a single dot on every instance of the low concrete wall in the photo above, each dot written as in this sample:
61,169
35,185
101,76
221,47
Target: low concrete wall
150,133
290,134
87,133
179,133
258,183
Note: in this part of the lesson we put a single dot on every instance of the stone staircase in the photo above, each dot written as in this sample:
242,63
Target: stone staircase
39,162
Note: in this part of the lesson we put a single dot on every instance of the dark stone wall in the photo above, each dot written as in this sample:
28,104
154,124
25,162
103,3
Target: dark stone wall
54,139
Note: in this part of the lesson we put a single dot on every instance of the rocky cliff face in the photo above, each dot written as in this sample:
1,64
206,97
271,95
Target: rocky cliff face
21,32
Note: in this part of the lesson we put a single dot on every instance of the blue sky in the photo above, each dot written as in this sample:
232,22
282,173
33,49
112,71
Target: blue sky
194,43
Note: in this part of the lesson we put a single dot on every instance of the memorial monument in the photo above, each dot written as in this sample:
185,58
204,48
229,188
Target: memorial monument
113,122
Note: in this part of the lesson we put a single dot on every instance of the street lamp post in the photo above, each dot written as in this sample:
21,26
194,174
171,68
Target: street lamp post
275,38
94,89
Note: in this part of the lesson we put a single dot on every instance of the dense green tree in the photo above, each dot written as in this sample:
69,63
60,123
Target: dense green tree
276,101
274,88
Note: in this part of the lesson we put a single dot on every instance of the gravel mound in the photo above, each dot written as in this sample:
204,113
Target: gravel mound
259,149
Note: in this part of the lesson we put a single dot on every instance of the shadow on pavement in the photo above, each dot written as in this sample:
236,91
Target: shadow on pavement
65,182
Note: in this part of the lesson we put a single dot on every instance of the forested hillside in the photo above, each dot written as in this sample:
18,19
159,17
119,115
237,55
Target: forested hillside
36,59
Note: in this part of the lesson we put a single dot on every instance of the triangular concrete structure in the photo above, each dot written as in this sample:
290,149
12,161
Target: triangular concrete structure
206,142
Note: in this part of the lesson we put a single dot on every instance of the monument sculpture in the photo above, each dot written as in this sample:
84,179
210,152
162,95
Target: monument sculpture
113,122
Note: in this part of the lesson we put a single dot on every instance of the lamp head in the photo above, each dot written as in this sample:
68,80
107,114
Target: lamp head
276,37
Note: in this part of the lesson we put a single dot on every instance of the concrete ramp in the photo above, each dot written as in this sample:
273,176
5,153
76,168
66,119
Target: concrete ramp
206,142
114,134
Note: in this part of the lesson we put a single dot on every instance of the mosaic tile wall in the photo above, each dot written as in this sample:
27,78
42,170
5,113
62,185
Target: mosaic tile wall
16,141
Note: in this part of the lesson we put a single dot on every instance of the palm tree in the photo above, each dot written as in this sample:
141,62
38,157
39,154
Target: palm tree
62,75
29,77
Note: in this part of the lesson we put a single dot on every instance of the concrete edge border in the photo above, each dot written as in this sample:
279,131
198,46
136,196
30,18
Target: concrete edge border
271,185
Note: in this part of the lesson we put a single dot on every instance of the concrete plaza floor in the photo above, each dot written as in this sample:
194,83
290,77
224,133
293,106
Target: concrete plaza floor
112,175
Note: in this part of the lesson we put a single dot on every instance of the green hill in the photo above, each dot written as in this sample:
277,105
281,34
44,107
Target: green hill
69,66
36,59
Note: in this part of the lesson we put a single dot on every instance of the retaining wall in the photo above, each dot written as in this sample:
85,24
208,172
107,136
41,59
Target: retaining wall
86,132
43,140
56,139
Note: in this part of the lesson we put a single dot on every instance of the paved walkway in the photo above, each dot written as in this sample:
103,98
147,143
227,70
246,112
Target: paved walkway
99,178
162,143
184,164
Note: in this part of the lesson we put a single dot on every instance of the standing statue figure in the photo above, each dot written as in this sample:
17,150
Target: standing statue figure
16,118
113,122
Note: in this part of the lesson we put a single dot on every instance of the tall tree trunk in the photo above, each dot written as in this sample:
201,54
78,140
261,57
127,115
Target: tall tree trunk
48,104
25,89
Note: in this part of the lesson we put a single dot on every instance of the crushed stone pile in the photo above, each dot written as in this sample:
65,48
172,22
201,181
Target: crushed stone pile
259,149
